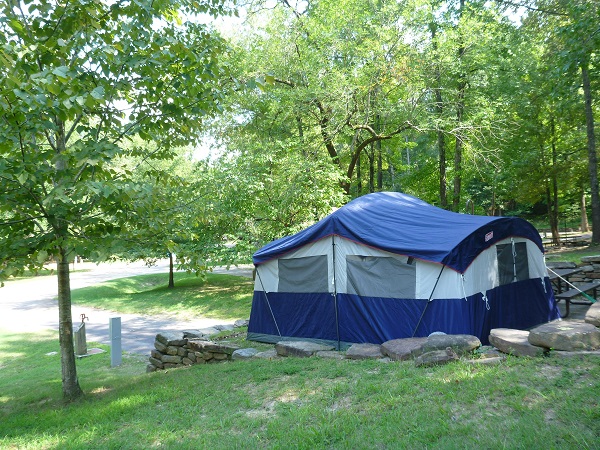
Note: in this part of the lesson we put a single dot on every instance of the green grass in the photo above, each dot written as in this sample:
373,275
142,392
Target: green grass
296,403
218,296
571,254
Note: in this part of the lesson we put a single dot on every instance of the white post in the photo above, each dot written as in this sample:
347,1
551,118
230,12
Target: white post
114,330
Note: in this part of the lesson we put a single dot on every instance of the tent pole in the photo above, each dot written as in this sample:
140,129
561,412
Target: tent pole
267,299
428,301
335,302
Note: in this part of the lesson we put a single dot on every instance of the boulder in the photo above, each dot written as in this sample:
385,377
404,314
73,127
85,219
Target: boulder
561,265
436,357
567,336
241,323
364,351
243,353
175,338
462,344
402,349
267,354
330,354
302,349
591,259
593,314
199,345
514,342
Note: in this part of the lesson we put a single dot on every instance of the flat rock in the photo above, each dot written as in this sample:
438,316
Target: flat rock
302,349
436,357
243,353
241,323
194,334
514,342
561,265
225,327
198,345
567,336
591,259
462,344
267,354
176,338
364,351
561,354
330,354
209,331
593,314
402,349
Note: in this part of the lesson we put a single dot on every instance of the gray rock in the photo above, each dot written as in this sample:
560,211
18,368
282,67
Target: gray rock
402,349
593,314
267,354
364,351
302,349
213,347
243,353
561,354
169,359
226,327
194,334
436,357
514,342
156,362
330,354
591,259
156,354
561,265
150,368
568,336
462,344
241,323
172,338
208,331
160,347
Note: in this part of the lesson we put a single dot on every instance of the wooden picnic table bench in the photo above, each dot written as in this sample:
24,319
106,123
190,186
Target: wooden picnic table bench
567,296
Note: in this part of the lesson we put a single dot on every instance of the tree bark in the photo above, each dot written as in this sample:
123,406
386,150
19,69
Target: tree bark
70,383
441,139
171,277
592,158
553,201
460,108
584,219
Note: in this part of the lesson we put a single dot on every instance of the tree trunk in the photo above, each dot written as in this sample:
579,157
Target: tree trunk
171,277
460,108
553,201
592,158
439,109
70,383
584,220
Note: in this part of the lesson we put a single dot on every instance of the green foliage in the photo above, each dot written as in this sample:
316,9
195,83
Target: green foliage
79,80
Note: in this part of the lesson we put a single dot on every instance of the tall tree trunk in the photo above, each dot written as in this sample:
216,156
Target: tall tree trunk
592,158
439,109
553,201
171,276
70,383
584,219
460,108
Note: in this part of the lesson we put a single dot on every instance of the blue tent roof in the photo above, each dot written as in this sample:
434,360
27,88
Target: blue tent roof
402,224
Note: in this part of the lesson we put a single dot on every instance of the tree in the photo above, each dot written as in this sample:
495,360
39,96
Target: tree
77,80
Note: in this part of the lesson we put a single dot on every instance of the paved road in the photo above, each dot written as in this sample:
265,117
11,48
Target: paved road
29,306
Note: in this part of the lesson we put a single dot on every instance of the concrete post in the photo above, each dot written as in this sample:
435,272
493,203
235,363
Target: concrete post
114,330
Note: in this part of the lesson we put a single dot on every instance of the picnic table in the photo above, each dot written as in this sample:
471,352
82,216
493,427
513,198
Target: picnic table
560,277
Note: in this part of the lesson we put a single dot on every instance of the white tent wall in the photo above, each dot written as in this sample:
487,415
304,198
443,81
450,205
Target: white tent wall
481,275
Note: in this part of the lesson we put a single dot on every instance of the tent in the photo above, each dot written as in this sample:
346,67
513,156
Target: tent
388,265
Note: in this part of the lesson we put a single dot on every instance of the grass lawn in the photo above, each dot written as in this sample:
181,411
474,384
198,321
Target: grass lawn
296,403
573,254
218,296
292,403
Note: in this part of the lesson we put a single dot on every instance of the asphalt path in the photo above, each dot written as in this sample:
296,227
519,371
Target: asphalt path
30,305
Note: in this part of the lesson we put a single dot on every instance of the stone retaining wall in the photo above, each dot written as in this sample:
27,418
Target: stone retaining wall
590,266
182,349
